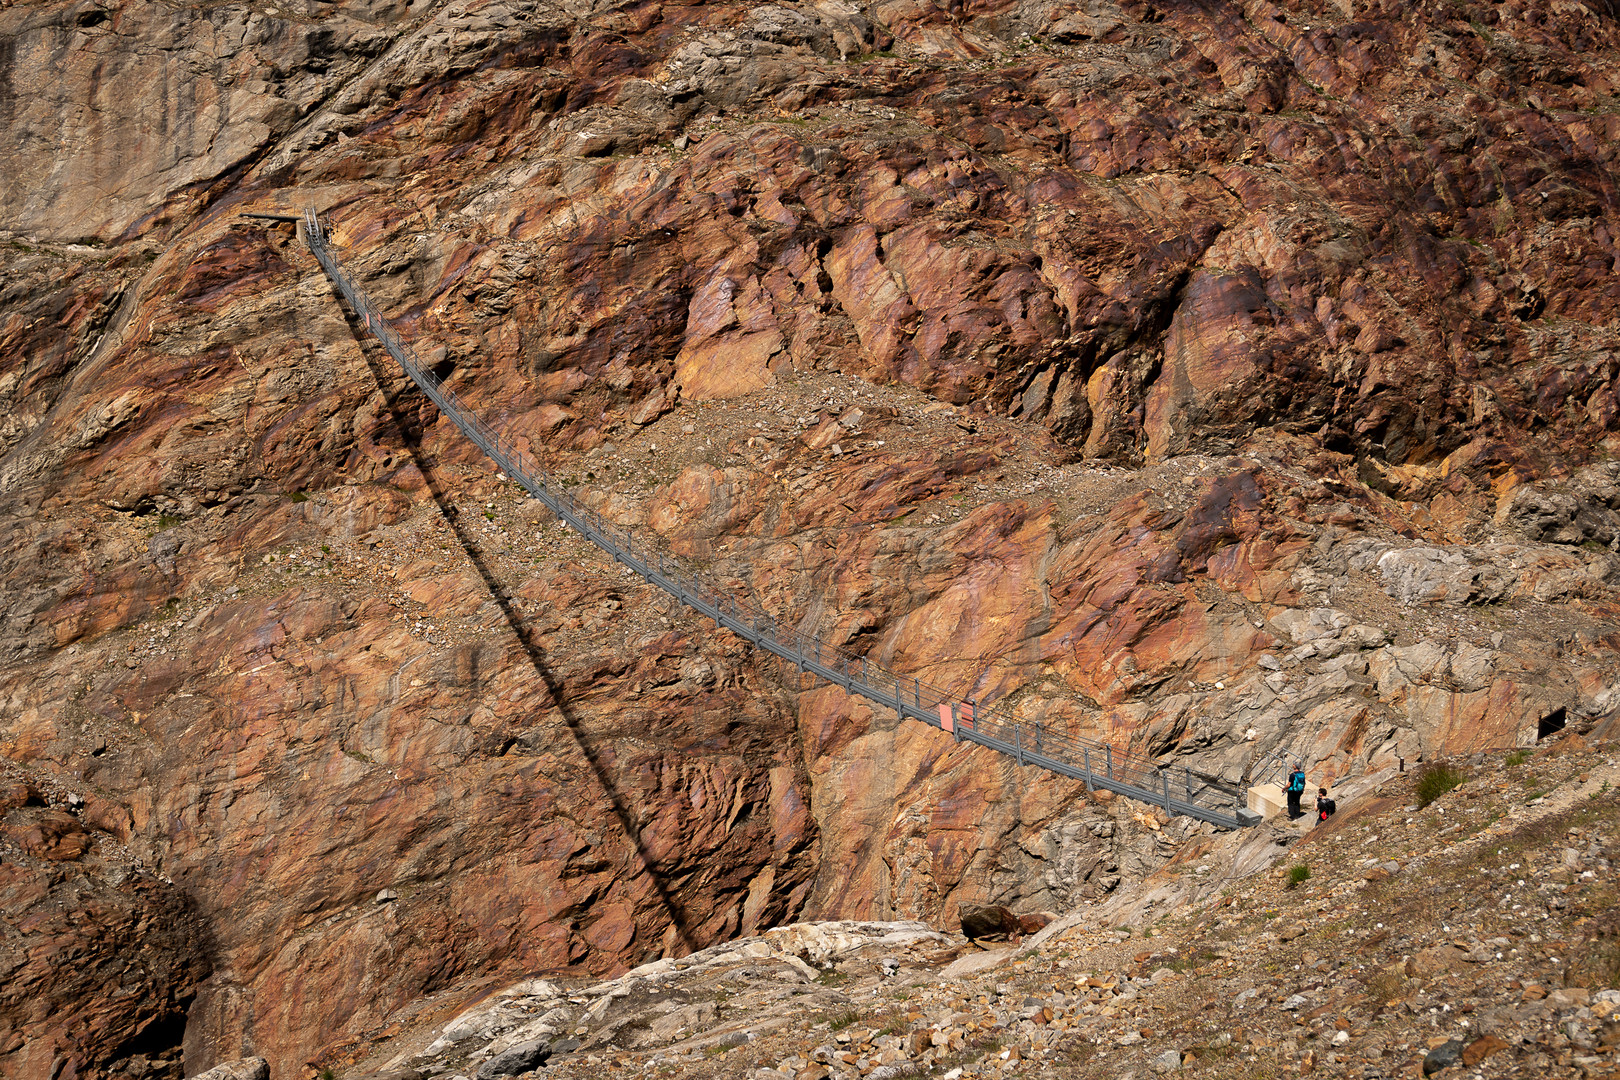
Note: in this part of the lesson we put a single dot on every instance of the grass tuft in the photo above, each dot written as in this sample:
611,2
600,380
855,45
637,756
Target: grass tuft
840,1021
1437,779
1298,875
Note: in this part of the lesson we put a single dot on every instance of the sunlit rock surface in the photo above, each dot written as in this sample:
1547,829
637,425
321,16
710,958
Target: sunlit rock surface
1205,379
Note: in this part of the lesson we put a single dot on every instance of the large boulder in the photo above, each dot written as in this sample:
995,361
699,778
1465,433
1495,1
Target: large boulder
253,1068
1032,921
520,1058
989,921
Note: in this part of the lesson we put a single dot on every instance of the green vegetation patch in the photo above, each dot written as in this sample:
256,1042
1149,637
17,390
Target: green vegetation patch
1436,779
841,1020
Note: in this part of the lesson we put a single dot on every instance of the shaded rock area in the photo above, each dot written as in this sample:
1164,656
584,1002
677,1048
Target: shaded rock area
1216,381
987,922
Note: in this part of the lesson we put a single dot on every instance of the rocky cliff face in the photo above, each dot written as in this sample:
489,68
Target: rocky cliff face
1209,378
1398,930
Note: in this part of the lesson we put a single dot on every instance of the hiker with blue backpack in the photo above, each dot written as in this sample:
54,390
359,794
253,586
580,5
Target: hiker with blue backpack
1296,791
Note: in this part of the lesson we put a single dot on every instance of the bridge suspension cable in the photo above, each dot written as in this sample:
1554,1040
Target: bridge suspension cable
1177,789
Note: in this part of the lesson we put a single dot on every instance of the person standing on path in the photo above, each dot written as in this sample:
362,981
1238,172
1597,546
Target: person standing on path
1325,807
1296,791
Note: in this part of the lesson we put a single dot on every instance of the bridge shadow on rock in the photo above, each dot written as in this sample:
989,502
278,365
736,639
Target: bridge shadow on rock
411,436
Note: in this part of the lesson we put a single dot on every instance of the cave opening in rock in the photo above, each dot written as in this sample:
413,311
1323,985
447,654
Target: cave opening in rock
158,1038
1550,724
443,370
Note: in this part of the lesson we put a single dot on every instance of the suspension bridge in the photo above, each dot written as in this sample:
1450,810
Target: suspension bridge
1177,789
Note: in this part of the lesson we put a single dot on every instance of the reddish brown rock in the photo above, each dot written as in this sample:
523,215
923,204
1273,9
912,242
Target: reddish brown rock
97,951
1481,1049
1341,281
51,835
1030,922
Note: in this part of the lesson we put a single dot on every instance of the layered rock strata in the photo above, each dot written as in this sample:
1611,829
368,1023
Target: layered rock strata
1211,379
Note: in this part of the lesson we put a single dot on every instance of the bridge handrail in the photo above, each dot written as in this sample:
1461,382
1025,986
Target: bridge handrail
1099,764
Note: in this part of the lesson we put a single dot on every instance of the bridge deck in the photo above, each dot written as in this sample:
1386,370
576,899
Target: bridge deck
1177,789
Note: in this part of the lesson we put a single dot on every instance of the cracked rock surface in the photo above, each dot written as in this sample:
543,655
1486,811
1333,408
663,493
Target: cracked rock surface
1213,380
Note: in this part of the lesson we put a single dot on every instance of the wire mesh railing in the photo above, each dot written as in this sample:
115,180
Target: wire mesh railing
1099,765
1274,767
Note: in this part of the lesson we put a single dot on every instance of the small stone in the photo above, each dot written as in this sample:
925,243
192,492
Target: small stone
1573,997
1435,961
1444,1056
1169,1061
1482,1048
